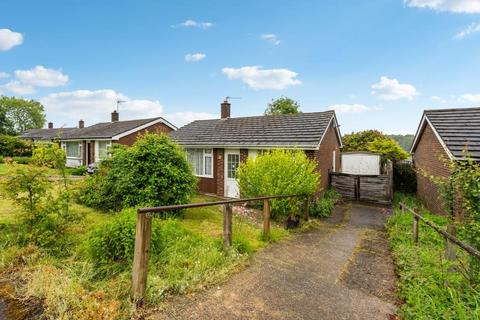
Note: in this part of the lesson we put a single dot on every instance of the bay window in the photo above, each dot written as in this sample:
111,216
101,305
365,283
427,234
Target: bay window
201,161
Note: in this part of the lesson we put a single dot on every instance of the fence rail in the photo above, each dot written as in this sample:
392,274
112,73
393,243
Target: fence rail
446,235
144,231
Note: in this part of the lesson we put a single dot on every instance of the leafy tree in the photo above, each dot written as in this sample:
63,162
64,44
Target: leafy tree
282,105
152,172
374,141
404,140
279,172
12,146
19,114
49,155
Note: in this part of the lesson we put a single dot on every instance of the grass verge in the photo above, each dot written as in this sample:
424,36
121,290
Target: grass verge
426,286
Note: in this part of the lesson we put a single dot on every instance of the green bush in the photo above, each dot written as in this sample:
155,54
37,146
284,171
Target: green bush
13,146
49,155
22,160
279,172
404,177
152,172
323,207
78,171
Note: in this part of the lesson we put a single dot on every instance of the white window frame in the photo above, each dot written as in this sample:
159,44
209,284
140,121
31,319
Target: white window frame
97,149
64,147
206,153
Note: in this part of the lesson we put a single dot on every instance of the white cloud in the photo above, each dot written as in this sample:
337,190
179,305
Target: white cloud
17,87
194,24
473,28
4,75
257,78
195,57
474,98
349,108
185,117
456,6
42,77
273,39
391,89
9,39
438,99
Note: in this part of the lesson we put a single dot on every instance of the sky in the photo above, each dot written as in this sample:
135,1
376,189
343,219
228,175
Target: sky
377,63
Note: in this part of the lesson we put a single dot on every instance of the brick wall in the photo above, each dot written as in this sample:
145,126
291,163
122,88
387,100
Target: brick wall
156,128
220,171
427,157
324,156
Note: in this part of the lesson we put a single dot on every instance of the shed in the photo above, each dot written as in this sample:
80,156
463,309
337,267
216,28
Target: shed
361,163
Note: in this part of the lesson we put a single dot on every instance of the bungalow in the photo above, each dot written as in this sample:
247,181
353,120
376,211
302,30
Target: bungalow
216,147
86,145
445,134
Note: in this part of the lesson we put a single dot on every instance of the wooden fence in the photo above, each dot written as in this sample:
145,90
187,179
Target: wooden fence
371,188
447,235
144,232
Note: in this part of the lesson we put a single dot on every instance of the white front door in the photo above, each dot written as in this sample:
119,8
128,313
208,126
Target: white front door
232,160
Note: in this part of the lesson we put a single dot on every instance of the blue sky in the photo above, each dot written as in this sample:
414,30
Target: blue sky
379,63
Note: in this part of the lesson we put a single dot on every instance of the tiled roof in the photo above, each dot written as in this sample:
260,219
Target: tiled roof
459,129
45,134
302,130
106,129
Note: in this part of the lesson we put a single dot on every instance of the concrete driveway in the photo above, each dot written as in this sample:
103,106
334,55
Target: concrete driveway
329,272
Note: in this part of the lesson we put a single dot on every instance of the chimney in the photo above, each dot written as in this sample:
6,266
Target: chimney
50,125
81,124
115,116
225,109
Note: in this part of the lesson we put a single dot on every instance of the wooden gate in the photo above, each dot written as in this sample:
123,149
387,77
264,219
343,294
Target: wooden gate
374,188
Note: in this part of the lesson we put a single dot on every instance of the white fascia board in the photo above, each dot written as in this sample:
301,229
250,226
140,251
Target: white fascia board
151,123
421,128
254,147
337,131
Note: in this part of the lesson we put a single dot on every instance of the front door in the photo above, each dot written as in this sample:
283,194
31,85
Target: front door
232,160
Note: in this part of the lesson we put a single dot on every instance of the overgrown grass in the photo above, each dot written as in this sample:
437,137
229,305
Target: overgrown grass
427,287
76,287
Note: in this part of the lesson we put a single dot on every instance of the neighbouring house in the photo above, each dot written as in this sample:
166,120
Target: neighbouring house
216,147
45,135
86,145
444,134
361,163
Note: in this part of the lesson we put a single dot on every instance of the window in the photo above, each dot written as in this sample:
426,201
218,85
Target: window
103,148
201,161
72,149
233,160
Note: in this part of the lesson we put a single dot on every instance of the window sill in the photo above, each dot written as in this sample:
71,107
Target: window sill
74,158
210,177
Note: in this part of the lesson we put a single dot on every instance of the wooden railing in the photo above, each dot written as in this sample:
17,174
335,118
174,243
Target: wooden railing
144,232
447,235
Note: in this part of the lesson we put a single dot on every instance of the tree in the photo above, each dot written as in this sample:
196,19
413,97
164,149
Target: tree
404,140
374,141
19,114
282,105
279,172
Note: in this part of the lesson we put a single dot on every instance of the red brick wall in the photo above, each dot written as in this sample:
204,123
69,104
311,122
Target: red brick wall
220,171
156,128
324,156
427,158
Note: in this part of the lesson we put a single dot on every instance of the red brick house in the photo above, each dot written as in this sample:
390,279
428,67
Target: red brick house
444,134
216,147
86,145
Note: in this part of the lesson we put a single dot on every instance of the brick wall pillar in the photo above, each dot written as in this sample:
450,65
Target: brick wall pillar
220,171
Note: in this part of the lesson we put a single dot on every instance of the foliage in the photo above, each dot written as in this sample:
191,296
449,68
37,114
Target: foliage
404,177
18,115
323,207
13,146
78,171
279,172
152,172
22,160
49,155
282,105
404,140
376,142
43,214
426,286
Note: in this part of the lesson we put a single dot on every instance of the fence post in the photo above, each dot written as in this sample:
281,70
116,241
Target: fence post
306,208
266,218
416,221
140,258
449,246
227,225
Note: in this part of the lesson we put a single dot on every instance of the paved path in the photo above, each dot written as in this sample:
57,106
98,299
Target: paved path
297,279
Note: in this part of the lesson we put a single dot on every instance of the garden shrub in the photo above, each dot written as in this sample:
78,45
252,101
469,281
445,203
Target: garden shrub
404,177
13,146
78,171
152,172
323,207
22,160
279,172
49,155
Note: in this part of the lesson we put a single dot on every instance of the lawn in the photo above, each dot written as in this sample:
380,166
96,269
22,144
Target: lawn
426,286
73,286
